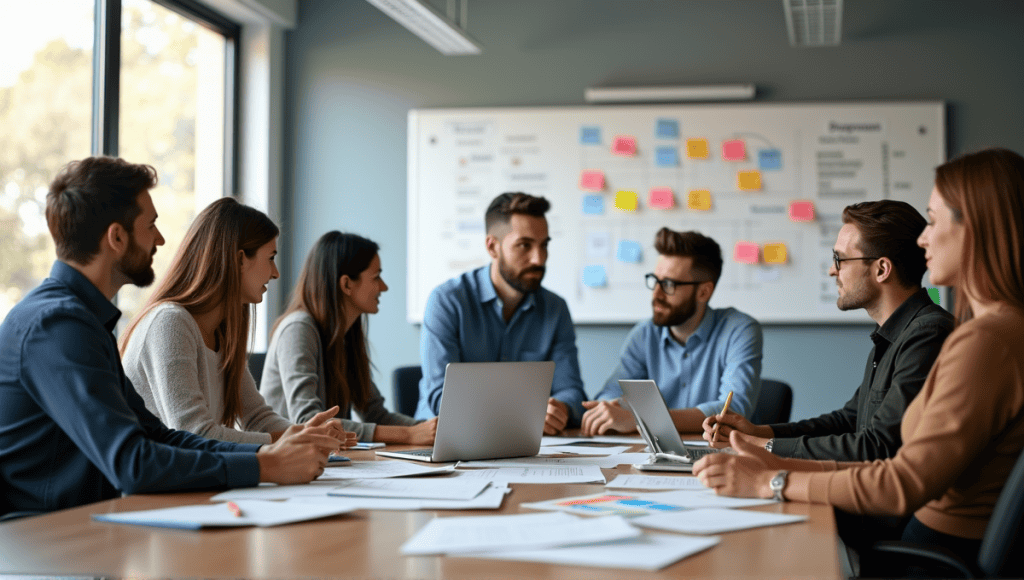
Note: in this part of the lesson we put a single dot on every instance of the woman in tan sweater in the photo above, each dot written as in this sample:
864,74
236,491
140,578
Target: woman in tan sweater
964,431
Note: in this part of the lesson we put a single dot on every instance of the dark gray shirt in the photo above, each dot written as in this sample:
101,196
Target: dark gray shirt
868,426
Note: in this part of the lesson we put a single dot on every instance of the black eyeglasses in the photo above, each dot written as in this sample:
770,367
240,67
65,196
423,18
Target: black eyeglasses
836,259
668,285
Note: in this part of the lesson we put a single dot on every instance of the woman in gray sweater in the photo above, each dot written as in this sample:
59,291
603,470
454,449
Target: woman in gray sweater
318,352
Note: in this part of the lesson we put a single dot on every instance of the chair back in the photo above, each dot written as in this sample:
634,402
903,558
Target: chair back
405,389
1002,551
256,360
774,404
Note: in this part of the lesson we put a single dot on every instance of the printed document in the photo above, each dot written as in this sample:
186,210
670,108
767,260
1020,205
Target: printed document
714,521
630,481
581,474
457,488
253,513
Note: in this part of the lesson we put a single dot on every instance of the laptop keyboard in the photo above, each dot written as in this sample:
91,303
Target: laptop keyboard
419,452
696,453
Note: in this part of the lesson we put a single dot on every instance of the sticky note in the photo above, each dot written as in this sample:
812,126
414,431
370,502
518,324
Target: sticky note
667,157
592,180
629,251
666,129
697,148
746,252
801,211
769,159
749,180
699,199
775,253
626,200
594,276
599,245
734,150
590,135
661,198
593,204
624,145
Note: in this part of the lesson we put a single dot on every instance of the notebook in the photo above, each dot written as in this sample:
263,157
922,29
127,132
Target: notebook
668,452
489,410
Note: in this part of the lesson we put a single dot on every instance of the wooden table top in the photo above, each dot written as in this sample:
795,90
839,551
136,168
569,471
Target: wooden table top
365,544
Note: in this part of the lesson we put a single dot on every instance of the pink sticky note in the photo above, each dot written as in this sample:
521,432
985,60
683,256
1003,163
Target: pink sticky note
624,145
592,180
801,211
746,253
734,150
661,198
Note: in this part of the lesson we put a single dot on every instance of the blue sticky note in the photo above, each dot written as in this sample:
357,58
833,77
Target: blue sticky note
593,204
629,251
667,129
667,157
769,159
590,135
594,276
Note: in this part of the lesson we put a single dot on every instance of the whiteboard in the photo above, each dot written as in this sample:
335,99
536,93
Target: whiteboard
767,181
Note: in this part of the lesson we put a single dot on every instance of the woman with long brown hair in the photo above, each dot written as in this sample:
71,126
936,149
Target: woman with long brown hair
318,352
963,433
186,351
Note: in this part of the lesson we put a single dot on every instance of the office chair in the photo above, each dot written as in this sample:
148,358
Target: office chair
256,361
405,389
1002,548
774,404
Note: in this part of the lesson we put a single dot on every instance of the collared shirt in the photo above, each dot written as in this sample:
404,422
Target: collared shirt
72,428
722,355
463,323
868,426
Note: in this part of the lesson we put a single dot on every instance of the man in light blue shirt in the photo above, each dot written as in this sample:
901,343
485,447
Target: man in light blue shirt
500,312
696,354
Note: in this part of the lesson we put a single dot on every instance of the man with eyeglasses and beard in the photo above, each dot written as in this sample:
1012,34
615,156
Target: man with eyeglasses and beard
696,354
500,312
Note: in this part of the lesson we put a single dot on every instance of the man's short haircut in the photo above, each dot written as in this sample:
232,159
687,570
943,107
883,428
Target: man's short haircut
889,229
506,205
705,252
89,195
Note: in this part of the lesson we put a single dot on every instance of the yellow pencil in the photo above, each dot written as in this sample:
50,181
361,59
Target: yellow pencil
725,409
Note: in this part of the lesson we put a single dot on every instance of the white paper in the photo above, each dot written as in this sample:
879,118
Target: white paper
656,482
442,488
368,445
514,532
624,439
489,499
382,469
582,450
579,474
254,513
603,462
714,520
270,491
647,552
702,499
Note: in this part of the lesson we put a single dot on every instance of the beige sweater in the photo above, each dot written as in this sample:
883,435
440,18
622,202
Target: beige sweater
961,437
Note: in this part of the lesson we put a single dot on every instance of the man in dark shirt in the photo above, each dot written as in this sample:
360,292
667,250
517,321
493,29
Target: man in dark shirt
878,267
72,428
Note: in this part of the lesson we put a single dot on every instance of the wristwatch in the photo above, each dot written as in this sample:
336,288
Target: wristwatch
768,446
777,484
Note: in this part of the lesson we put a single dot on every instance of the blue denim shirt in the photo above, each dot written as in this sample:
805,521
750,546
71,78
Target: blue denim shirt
463,323
722,355
72,428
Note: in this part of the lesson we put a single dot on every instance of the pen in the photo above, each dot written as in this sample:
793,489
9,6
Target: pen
725,409
235,509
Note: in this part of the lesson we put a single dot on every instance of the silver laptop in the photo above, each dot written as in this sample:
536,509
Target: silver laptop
668,452
489,410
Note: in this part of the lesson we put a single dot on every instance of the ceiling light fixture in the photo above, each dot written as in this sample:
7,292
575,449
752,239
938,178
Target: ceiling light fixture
814,22
427,23
742,92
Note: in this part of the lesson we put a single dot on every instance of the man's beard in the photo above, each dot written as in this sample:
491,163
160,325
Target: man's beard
137,265
675,316
856,297
515,279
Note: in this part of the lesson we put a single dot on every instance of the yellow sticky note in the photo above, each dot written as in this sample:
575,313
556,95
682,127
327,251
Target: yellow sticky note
699,199
626,200
775,253
749,180
697,148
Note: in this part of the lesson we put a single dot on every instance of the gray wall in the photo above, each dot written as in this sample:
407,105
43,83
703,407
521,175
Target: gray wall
353,74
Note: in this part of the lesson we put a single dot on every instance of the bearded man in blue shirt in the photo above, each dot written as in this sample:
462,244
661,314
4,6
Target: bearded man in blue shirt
501,312
696,354
72,428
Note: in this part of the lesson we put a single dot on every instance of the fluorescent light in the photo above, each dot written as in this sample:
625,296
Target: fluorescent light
422,20
814,22
670,94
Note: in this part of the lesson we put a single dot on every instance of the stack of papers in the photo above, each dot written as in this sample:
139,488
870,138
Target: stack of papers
462,488
608,462
581,474
714,521
382,469
489,499
582,450
638,504
656,482
253,513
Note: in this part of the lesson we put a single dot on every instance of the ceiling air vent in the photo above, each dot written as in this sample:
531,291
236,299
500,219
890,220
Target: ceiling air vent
427,23
814,22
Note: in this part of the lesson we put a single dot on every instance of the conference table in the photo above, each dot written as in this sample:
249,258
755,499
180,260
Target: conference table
365,544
